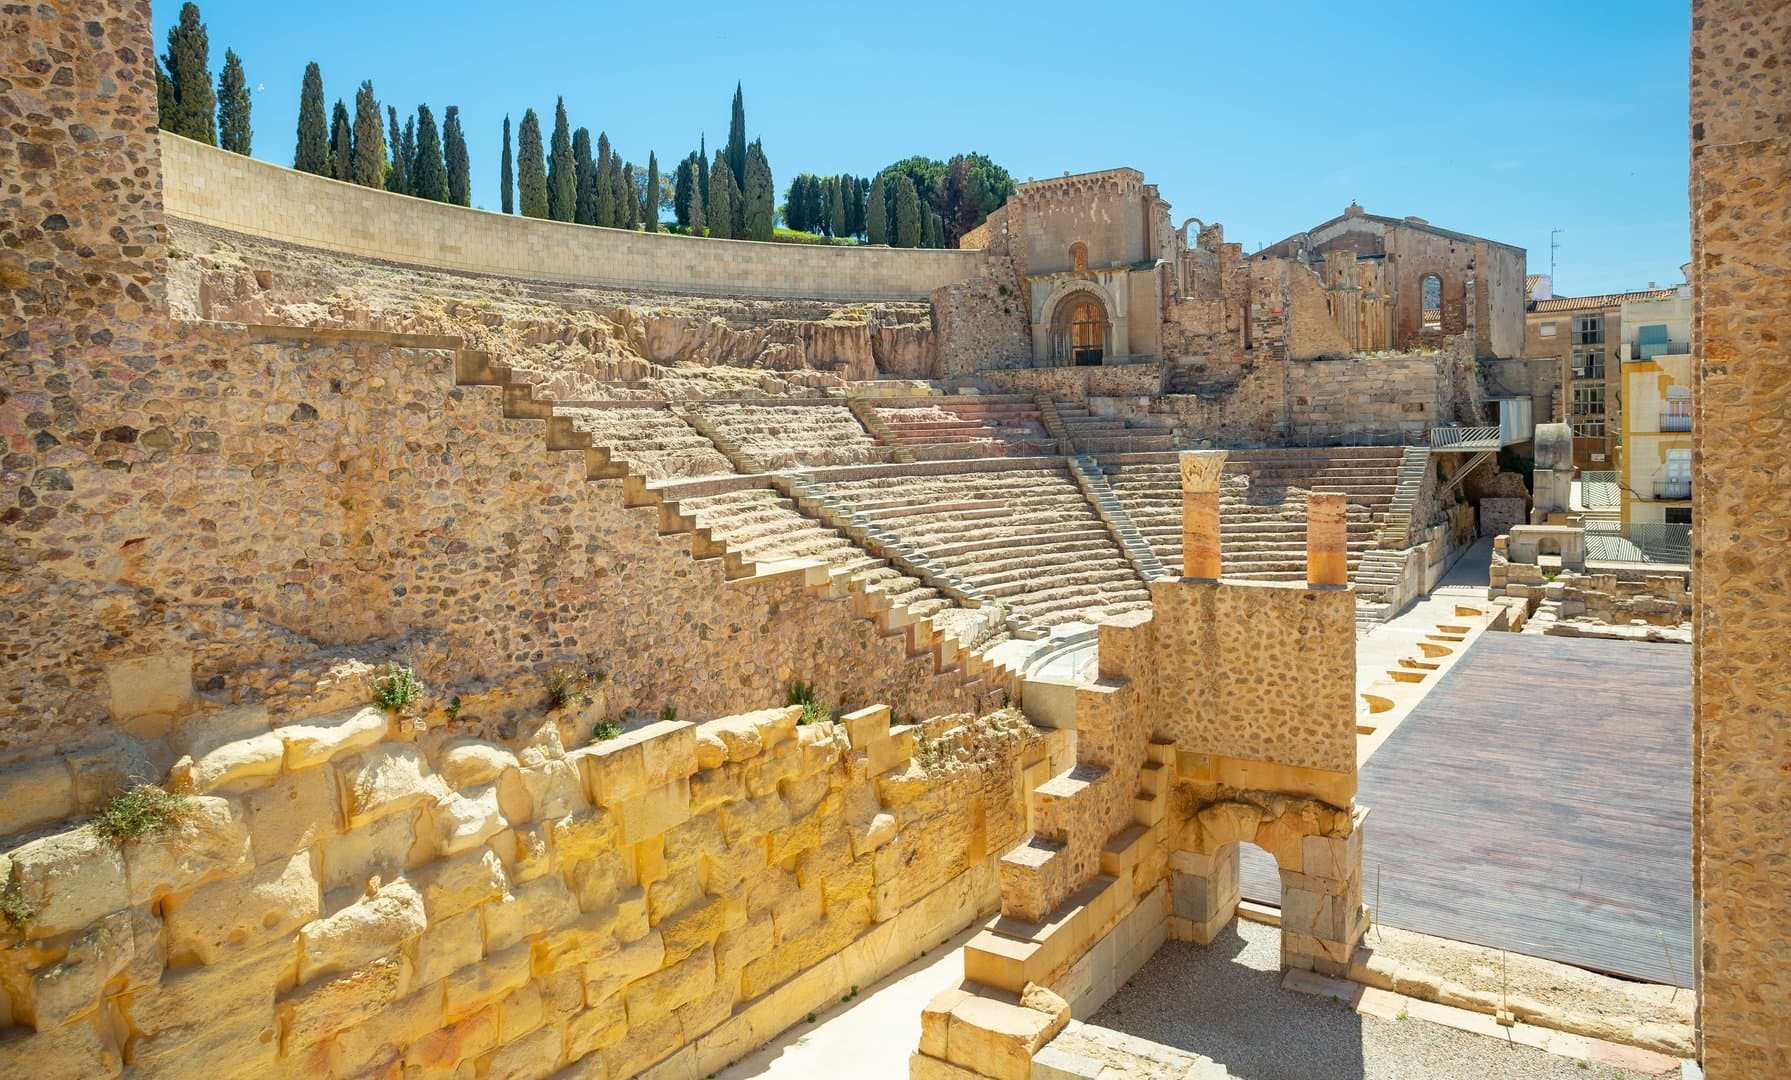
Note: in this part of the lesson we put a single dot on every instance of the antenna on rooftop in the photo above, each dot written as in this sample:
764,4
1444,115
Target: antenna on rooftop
1554,245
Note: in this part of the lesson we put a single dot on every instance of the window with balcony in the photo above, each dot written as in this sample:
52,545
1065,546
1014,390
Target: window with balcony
1674,481
1588,363
1588,329
1676,414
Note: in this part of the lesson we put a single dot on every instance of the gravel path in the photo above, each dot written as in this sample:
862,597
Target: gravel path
1226,1002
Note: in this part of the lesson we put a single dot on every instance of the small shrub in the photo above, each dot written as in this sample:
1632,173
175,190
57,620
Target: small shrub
145,810
569,686
397,688
813,712
605,731
667,714
15,911
454,707
811,1018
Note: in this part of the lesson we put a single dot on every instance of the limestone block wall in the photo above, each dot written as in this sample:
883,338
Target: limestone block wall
1076,383
231,191
350,897
1741,284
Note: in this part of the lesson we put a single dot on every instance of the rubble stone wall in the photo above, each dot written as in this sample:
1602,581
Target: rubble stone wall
231,191
1741,282
347,896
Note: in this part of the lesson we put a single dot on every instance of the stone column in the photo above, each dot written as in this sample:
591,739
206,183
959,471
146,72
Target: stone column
1327,540
1204,893
1201,470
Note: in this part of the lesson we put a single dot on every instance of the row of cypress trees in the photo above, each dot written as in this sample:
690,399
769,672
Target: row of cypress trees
186,102
733,196
373,151
574,180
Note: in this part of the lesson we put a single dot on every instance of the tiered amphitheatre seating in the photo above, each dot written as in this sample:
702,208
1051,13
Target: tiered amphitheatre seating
1022,535
647,439
788,434
935,428
1263,505
1113,435
762,526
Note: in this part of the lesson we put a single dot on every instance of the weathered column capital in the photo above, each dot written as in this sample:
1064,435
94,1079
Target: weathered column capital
1201,470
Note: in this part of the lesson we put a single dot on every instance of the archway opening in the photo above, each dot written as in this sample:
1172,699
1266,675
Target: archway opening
1430,291
1079,333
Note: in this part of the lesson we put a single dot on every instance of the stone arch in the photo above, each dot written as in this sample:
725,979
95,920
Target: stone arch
1079,322
1430,302
1079,258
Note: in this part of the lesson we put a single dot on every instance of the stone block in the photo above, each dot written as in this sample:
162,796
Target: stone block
318,1009
383,848
449,945
997,1039
322,738
555,789
534,908
731,738
212,841
654,811
451,886
485,983
463,820
526,1057
385,780
73,985
237,915
584,834
37,793
602,1025
689,930
520,1013
159,684
464,763
935,1020
238,766
740,945
369,928
294,812
77,1051
635,960
656,995
668,751
922,1067
643,1045
454,1046
379,1039
68,880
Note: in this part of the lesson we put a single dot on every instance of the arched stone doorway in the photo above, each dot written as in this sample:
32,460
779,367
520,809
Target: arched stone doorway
1080,330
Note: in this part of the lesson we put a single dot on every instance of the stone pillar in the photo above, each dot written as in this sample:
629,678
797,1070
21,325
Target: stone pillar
1201,470
1203,893
1327,547
1322,917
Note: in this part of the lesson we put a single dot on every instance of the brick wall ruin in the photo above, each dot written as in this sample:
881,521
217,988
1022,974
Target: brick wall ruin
1741,281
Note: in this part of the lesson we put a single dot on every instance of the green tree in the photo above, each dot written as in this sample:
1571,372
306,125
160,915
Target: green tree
907,212
876,221
193,111
603,190
407,149
758,196
164,97
838,222
702,170
531,171
460,167
428,170
233,105
313,153
562,175
398,168
684,186
694,210
341,143
654,198
737,137
584,171
613,197
793,205
629,201
507,173
369,169
722,197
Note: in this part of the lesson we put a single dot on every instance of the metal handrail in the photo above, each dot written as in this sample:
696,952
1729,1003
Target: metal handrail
1463,438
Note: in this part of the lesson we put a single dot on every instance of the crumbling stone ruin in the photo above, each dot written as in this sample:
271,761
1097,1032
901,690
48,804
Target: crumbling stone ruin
439,647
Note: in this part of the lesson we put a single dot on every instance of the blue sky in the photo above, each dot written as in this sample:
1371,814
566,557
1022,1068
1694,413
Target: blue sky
1503,120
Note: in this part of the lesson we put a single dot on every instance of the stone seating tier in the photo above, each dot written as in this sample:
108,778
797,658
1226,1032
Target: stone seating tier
942,428
652,440
783,436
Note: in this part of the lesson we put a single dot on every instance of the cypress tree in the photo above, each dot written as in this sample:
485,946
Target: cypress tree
722,197
341,143
683,181
793,205
507,173
460,167
407,147
836,207
697,219
583,170
935,231
188,63
630,201
562,176
398,171
164,97
369,167
650,204
313,153
907,212
737,137
603,191
428,170
703,169
758,196
876,220
814,194
233,105
861,213
531,172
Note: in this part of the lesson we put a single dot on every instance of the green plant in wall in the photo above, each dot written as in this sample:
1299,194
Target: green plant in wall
396,688
453,707
813,712
15,911
605,731
145,810
667,714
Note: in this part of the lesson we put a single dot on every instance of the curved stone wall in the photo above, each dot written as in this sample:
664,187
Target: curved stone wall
214,187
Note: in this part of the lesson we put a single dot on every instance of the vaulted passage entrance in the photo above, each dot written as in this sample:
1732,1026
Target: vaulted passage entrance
1079,335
